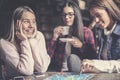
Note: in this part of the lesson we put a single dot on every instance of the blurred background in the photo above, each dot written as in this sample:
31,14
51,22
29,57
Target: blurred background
47,13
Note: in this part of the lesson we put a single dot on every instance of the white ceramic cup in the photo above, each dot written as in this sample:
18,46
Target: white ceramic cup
65,30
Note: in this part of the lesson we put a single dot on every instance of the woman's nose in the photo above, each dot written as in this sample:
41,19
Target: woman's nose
31,25
96,19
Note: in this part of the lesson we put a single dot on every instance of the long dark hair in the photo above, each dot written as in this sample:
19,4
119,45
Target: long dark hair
77,28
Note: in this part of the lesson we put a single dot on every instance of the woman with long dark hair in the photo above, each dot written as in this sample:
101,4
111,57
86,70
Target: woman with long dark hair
80,41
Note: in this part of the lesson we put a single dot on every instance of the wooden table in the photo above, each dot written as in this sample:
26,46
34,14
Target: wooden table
107,76
98,76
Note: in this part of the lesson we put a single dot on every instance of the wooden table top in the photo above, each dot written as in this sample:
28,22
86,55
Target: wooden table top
107,76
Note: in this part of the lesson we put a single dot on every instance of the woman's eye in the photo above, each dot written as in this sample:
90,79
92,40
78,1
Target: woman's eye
34,21
25,21
98,15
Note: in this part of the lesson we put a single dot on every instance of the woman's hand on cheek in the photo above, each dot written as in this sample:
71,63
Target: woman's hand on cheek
19,31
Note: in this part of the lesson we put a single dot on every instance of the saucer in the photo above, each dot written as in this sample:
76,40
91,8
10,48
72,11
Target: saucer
65,39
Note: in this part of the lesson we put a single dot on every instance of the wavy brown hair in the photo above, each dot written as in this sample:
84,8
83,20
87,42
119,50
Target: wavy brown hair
109,5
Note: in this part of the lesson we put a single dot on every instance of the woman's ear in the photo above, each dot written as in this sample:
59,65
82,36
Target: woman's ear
17,29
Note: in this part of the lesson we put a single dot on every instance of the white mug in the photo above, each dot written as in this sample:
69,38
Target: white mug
65,30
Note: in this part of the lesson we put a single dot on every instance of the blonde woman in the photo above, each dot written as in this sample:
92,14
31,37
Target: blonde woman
23,51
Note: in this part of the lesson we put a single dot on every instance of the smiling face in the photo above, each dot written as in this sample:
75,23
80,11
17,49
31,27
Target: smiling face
100,16
68,16
28,24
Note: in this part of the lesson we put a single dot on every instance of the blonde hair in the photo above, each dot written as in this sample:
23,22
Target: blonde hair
17,14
